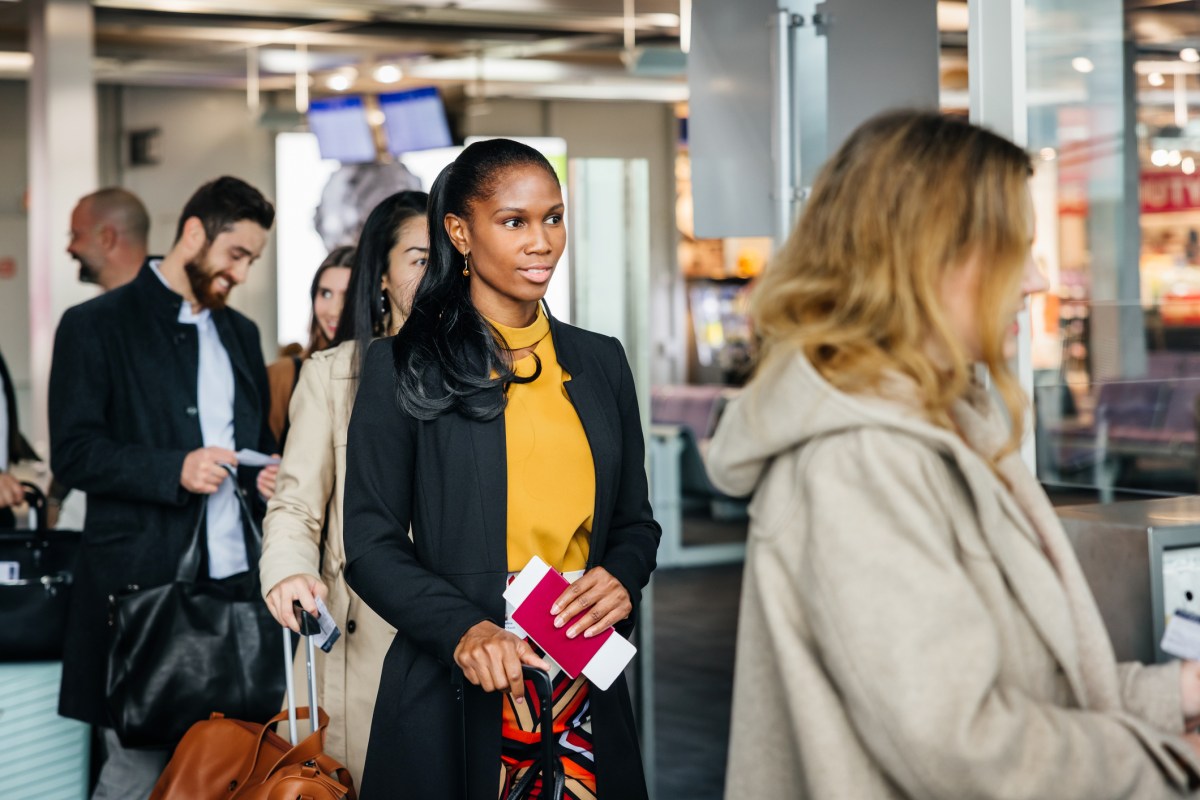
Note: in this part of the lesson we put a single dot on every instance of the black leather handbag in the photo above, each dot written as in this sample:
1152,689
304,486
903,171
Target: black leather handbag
35,582
182,651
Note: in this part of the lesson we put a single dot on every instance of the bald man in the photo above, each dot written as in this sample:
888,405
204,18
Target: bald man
109,229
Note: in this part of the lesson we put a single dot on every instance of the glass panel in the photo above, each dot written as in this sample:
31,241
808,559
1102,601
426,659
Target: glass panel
1116,341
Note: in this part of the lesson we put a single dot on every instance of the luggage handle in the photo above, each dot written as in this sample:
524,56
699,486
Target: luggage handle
308,627
551,769
36,499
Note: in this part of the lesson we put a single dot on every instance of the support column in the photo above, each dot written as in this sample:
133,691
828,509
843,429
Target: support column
996,66
63,166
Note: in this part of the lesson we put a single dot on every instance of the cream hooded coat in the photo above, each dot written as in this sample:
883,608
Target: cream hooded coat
912,628
308,497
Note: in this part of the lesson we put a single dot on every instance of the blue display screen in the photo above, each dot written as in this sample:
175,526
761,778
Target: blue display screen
415,119
340,125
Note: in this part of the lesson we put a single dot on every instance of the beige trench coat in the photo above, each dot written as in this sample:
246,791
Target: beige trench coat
308,496
910,626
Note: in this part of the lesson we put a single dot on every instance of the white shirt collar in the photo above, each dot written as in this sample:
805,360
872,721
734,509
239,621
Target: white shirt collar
185,308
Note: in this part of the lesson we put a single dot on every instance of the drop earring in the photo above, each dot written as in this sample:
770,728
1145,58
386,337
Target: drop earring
466,264
383,303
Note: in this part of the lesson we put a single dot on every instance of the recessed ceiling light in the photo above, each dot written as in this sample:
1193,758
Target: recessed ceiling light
1174,158
388,73
1156,79
1082,64
338,82
1189,165
1190,55
1159,158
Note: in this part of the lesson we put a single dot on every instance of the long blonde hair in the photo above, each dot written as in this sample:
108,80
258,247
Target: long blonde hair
909,197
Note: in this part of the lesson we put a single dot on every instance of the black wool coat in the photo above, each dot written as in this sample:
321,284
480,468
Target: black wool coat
123,416
448,479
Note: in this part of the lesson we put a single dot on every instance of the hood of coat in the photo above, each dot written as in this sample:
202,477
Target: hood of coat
789,404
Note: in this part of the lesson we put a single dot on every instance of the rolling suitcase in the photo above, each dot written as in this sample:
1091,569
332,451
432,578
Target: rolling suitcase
235,760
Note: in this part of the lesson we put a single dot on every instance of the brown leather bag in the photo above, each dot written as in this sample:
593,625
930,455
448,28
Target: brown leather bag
227,759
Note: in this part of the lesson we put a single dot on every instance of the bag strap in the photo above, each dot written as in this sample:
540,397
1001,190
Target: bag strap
305,751
188,570
189,563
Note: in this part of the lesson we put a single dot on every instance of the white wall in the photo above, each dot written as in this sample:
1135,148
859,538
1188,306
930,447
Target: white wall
205,134
14,239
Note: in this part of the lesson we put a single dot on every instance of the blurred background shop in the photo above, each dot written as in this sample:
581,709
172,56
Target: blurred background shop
685,133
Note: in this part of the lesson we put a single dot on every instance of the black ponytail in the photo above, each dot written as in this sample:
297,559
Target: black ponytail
447,355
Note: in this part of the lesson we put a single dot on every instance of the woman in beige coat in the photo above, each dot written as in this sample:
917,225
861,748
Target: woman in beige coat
303,556
914,623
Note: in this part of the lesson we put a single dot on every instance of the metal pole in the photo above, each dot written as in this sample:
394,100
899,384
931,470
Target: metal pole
782,133
291,684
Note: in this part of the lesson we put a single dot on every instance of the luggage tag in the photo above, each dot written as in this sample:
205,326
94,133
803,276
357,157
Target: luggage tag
1182,636
329,629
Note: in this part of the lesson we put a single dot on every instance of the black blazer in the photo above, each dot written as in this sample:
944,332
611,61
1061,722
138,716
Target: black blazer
123,416
448,479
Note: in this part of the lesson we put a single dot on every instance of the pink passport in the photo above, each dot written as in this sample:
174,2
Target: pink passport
534,616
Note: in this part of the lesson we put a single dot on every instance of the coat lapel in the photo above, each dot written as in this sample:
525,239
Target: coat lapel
491,476
586,391
1034,583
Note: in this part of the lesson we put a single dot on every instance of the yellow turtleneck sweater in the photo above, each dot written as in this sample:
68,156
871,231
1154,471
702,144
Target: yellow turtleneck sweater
551,477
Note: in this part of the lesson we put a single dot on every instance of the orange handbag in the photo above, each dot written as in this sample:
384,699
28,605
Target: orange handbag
228,759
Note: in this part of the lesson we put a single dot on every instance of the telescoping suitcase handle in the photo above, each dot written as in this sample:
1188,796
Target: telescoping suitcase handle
551,769
308,628
36,499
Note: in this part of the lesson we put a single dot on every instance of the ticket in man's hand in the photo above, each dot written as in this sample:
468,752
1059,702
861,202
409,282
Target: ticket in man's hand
1182,636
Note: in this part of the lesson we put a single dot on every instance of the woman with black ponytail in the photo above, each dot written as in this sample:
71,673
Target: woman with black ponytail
485,433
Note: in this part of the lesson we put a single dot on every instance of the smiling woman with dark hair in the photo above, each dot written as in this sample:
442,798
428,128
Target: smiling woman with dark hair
303,555
493,432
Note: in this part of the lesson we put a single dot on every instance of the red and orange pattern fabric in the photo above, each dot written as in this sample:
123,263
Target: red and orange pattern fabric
521,737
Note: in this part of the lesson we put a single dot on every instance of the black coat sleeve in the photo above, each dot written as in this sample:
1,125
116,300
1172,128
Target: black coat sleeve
381,561
82,454
632,546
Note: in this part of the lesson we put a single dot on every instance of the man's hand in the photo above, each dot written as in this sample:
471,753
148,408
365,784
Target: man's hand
202,470
305,588
600,595
12,493
266,480
491,658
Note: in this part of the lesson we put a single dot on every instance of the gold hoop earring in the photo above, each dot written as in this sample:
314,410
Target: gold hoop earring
466,264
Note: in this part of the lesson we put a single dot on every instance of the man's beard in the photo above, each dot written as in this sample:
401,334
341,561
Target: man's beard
87,273
202,282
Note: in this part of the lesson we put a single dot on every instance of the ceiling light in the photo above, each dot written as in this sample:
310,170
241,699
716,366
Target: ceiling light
1189,165
1156,79
338,82
1082,64
1189,55
1174,158
388,73
1159,158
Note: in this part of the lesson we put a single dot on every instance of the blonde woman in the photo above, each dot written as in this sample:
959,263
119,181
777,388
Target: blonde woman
303,554
914,623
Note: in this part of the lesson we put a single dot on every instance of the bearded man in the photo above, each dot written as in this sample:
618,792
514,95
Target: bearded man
154,386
